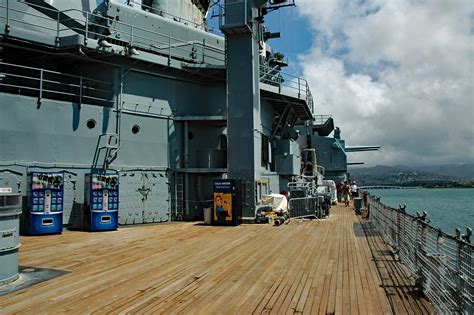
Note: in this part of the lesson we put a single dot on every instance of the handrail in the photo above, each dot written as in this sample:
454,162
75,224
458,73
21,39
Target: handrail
321,119
125,34
441,264
131,36
40,81
275,77
55,72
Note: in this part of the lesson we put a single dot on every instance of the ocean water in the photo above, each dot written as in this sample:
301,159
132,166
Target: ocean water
446,208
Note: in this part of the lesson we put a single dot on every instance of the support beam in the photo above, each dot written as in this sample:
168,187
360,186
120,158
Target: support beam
243,97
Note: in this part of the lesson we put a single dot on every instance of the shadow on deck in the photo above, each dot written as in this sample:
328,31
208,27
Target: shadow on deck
404,296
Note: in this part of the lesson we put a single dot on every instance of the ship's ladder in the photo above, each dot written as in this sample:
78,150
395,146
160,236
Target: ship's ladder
178,196
108,145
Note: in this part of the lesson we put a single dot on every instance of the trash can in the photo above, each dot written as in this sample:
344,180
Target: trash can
357,204
208,216
10,211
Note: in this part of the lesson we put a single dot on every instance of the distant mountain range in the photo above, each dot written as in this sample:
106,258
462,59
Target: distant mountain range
413,176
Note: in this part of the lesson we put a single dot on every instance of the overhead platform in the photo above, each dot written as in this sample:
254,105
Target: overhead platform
210,72
282,97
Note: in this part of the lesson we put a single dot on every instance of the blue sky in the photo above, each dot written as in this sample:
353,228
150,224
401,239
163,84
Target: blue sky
296,35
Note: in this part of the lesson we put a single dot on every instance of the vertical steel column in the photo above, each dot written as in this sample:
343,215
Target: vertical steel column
169,50
186,165
7,26
80,90
86,30
203,50
243,105
186,144
40,97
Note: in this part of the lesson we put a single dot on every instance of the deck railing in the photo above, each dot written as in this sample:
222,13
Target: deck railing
42,83
94,26
441,264
277,78
321,119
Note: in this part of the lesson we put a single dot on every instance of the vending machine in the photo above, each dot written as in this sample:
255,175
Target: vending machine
44,212
101,201
228,196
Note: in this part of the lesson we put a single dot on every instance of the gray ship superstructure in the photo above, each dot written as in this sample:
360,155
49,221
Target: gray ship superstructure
144,90
129,112
331,150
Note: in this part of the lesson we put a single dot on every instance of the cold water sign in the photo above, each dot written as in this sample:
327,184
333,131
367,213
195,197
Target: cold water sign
224,213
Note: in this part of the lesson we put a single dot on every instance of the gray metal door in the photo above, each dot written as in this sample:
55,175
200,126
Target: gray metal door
144,197
157,202
71,211
131,204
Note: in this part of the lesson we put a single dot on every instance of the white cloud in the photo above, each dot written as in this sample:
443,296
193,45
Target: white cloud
397,73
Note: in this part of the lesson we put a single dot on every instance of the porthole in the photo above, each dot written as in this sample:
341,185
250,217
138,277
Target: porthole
91,124
135,129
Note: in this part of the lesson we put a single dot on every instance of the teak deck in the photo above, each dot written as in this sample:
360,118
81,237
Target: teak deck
312,267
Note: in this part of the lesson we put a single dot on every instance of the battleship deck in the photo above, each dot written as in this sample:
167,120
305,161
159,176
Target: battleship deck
337,265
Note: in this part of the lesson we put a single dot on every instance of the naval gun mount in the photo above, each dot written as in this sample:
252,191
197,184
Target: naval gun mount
331,151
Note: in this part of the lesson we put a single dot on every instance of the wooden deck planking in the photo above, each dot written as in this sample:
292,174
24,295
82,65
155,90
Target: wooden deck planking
396,281
302,267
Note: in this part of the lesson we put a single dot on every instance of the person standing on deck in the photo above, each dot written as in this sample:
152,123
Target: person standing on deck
346,192
354,190
339,191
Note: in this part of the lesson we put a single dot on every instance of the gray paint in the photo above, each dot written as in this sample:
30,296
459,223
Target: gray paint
179,9
10,210
243,101
332,158
155,93
144,197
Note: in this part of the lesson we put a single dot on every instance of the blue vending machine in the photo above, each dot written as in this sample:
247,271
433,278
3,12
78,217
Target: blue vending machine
102,202
44,213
